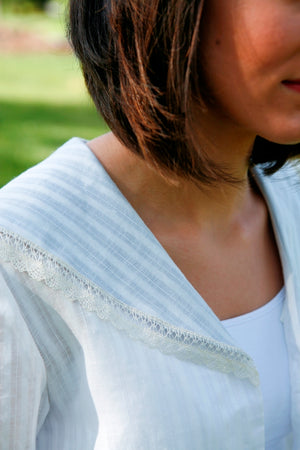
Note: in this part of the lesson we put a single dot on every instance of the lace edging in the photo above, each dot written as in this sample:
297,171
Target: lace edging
25,256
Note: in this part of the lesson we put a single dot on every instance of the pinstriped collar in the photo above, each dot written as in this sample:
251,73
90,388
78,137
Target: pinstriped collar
69,207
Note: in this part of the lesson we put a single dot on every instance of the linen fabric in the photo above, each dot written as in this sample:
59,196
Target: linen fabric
104,343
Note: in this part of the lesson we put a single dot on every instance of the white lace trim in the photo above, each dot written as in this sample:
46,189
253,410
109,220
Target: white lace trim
25,256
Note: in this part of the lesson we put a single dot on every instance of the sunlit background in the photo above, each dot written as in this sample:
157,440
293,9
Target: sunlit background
43,101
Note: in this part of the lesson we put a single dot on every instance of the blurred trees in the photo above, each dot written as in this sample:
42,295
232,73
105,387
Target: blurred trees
23,5
40,3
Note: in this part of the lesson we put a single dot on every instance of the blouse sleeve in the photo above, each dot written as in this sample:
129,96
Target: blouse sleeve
22,376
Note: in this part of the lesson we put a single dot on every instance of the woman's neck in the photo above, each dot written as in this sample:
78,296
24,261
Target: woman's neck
159,202
220,237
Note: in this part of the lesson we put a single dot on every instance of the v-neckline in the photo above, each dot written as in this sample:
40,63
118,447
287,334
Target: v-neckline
201,301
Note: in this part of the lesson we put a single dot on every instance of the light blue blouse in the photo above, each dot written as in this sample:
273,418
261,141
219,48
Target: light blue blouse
104,343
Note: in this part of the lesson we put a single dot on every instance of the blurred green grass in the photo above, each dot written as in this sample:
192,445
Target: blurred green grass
43,103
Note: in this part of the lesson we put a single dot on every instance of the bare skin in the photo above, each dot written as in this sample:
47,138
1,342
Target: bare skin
221,239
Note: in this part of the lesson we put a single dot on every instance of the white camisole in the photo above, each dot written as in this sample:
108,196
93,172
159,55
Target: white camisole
260,333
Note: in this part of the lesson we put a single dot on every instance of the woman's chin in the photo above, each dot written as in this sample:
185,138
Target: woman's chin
292,138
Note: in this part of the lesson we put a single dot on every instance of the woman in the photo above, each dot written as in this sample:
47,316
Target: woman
150,277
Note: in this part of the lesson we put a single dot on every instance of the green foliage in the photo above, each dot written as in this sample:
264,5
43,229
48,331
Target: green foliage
43,103
24,6
53,78
30,131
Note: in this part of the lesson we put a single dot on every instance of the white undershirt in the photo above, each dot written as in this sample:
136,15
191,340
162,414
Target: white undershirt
261,334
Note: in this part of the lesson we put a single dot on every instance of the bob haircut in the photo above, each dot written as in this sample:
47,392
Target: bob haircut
141,65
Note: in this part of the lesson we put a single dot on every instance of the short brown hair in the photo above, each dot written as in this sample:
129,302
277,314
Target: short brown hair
139,60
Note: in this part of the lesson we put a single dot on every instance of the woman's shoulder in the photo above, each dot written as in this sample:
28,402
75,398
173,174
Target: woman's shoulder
63,188
282,195
63,204
73,160
68,209
282,189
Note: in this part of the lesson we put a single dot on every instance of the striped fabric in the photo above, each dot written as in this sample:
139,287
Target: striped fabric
106,344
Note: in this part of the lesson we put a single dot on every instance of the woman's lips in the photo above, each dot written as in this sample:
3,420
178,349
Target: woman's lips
292,84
